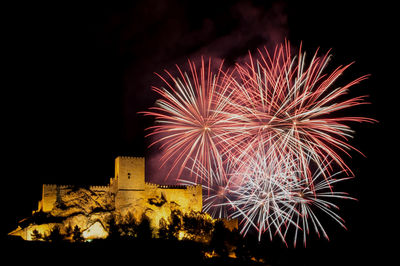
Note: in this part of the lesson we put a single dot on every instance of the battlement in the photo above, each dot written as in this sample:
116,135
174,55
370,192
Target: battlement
131,157
194,187
128,187
50,192
126,192
100,188
188,187
129,172
55,186
172,186
151,185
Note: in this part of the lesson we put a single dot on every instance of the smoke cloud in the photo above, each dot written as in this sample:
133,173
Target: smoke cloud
155,35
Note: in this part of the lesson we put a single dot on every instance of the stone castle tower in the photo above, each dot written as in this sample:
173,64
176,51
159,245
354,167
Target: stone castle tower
129,182
131,191
128,189
127,192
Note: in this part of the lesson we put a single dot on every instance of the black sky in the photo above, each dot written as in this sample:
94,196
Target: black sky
76,74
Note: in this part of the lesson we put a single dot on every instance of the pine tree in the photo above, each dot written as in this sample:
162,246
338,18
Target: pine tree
55,235
77,235
144,230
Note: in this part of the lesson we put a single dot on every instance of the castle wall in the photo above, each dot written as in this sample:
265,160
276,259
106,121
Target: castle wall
100,188
48,197
129,185
129,188
26,233
129,173
103,195
127,192
130,201
51,194
188,198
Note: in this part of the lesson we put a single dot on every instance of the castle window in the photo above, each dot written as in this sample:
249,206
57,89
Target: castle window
129,175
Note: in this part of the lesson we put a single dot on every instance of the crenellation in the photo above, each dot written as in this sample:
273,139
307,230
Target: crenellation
173,186
101,188
193,186
151,185
52,186
131,157
127,192
130,188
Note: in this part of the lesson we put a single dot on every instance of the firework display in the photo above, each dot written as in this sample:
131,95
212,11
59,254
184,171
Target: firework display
290,104
267,138
192,117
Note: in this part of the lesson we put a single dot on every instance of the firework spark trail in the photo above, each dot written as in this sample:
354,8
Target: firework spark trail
274,198
191,117
216,194
307,199
290,105
262,138
262,200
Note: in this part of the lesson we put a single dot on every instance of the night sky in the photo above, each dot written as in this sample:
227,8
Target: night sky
77,74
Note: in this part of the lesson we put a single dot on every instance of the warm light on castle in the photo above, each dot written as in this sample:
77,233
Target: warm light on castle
127,194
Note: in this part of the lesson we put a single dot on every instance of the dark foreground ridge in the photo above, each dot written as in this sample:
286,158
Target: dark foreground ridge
117,252
148,252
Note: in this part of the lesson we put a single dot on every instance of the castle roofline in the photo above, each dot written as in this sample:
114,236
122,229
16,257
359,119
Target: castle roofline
171,186
130,157
75,185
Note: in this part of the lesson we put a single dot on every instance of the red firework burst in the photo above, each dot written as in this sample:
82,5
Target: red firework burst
192,117
257,137
289,105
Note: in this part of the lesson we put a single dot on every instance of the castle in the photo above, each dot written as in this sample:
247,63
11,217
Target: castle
127,192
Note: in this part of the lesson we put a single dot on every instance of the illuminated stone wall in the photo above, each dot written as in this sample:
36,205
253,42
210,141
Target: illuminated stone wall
27,232
130,185
133,193
51,194
129,173
189,198
127,193
161,200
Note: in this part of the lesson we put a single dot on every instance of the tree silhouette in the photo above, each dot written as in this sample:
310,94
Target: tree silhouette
197,226
55,235
143,228
175,224
113,228
36,236
219,238
77,234
163,229
128,226
192,225
68,232
169,229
